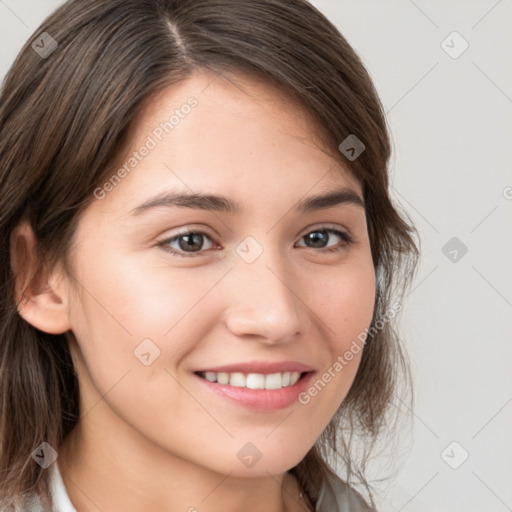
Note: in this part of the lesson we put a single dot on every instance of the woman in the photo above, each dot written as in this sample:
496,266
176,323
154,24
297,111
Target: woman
200,261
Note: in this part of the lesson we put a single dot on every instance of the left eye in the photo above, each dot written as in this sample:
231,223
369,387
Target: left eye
319,236
192,242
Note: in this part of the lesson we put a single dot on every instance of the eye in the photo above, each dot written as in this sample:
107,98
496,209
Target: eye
189,242
319,238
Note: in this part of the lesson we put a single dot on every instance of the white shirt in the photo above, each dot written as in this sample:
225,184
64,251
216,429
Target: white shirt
335,496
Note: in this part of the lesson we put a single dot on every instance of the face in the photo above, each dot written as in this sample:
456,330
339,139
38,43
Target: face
166,288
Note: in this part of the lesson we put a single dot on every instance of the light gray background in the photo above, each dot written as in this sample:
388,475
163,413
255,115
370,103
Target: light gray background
451,120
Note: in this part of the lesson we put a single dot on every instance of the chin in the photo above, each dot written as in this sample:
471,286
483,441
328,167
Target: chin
264,458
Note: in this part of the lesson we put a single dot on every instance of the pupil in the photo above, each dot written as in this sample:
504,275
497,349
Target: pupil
191,240
317,236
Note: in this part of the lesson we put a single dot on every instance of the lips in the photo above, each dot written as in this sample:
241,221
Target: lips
260,386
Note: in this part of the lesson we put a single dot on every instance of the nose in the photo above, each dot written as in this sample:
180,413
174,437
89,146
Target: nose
263,301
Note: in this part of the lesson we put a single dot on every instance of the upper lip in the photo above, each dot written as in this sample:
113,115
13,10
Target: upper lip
260,367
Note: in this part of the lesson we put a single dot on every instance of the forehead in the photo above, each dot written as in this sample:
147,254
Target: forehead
241,135
230,106
242,96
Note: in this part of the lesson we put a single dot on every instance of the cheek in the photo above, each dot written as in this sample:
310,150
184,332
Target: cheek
133,328
130,300
344,300
139,316
345,305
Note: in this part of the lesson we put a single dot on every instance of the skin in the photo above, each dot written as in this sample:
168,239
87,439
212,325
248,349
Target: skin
151,437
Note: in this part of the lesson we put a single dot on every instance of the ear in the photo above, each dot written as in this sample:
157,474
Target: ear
42,299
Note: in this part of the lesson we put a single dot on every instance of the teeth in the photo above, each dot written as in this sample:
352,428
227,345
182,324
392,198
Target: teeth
223,378
254,380
294,377
211,376
273,381
237,379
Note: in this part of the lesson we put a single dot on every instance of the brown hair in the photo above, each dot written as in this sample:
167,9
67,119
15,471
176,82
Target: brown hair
64,119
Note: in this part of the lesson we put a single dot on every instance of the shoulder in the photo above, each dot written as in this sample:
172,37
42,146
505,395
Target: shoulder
336,495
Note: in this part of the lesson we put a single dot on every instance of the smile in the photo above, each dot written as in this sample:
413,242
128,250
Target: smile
261,392
253,380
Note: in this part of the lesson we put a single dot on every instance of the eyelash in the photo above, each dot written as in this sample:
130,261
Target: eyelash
347,240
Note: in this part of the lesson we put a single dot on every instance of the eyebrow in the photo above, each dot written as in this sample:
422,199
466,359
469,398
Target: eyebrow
211,202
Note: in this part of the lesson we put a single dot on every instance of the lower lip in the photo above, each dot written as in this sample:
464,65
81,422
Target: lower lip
260,399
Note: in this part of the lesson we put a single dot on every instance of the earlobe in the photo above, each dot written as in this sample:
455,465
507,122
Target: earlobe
41,299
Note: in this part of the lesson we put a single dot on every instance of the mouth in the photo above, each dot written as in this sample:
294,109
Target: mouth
260,392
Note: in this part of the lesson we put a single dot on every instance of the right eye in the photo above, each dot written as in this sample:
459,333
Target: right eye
189,242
